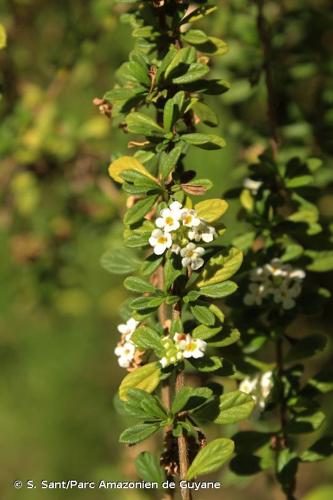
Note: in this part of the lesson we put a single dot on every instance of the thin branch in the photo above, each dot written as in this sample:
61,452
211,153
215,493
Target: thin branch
266,46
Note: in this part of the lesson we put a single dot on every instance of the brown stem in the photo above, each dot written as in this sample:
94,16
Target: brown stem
182,446
265,40
282,442
182,441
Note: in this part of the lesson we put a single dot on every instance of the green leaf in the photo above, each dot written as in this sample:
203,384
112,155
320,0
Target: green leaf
138,433
251,441
180,61
140,72
302,180
194,72
204,332
221,267
135,284
204,141
139,210
207,364
234,406
320,450
148,468
306,347
151,264
168,115
119,261
199,13
211,457
141,404
128,163
210,87
321,382
165,62
217,311
195,37
142,303
145,337
230,339
144,32
146,377
170,273
203,315
307,421
213,46
211,210
139,179
139,123
144,156
168,161
189,398
322,261
219,290
205,114
123,94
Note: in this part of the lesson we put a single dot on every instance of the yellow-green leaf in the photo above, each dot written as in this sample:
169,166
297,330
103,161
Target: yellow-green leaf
146,377
127,163
211,210
211,457
221,267
3,37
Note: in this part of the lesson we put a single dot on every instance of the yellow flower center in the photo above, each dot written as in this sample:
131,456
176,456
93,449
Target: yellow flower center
169,221
191,346
187,219
162,240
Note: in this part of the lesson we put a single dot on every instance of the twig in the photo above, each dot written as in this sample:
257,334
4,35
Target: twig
265,40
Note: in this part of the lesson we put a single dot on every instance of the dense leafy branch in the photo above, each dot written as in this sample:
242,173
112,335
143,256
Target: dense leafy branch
174,247
173,324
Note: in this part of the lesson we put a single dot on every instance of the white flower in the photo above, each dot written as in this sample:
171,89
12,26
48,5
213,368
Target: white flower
160,241
125,354
202,232
175,206
257,292
286,294
297,274
189,218
248,385
128,328
259,274
266,384
170,217
276,269
175,248
259,387
277,279
191,256
180,340
164,362
194,348
252,185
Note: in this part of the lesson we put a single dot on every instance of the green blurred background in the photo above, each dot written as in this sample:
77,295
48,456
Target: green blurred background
59,212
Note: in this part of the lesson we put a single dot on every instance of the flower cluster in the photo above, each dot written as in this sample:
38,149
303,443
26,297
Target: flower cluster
177,228
275,280
126,349
182,346
259,387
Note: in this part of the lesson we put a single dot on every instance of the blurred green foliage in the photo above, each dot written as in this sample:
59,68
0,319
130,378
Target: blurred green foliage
59,212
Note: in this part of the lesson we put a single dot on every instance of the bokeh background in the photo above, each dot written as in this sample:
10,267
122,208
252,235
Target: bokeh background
60,211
